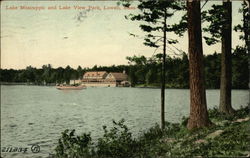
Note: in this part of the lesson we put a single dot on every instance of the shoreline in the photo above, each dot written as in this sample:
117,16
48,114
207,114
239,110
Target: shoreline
227,137
136,86
25,84
173,87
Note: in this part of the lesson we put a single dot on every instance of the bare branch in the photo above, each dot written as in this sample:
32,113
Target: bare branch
155,51
179,50
158,40
204,4
174,51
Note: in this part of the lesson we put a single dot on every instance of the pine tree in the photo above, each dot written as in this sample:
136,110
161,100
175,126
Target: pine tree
220,19
198,106
154,14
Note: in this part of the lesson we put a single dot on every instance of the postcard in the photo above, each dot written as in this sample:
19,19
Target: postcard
147,78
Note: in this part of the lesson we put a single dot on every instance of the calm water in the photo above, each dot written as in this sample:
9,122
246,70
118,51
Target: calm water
38,115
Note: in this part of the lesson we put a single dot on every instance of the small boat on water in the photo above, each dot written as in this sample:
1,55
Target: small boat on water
80,87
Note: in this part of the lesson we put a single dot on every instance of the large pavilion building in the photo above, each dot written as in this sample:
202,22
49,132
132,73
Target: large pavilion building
104,79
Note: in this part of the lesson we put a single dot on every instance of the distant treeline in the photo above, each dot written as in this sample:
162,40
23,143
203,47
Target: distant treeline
148,71
141,71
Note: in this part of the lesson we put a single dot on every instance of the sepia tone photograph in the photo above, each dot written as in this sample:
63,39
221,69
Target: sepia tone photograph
125,78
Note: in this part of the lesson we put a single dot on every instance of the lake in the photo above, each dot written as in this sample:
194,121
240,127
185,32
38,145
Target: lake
37,115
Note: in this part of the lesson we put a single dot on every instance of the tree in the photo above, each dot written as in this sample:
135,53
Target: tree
47,73
198,106
212,70
30,74
154,14
220,18
240,78
80,72
60,75
139,64
246,29
226,60
177,72
182,71
67,74
132,77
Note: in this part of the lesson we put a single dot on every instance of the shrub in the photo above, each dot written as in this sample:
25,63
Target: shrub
116,142
73,146
215,114
174,140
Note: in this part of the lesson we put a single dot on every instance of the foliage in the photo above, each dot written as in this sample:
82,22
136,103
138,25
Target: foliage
239,68
174,141
143,71
116,142
245,27
212,70
152,14
177,74
216,115
70,145
215,18
48,75
234,140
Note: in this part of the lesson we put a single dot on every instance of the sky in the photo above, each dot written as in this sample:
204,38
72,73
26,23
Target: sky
52,34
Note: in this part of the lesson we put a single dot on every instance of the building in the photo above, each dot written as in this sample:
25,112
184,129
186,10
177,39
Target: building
74,82
104,79
116,77
94,76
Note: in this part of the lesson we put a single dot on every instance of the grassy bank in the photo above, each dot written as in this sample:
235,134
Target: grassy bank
229,136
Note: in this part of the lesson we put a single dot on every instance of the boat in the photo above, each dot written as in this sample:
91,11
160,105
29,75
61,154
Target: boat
62,87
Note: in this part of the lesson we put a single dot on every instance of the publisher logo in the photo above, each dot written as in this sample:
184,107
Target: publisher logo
35,148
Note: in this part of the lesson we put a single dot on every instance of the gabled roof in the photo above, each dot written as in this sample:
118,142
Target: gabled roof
94,74
119,76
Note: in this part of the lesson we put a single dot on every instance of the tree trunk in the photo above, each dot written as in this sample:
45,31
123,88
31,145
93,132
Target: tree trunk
226,61
198,107
163,74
